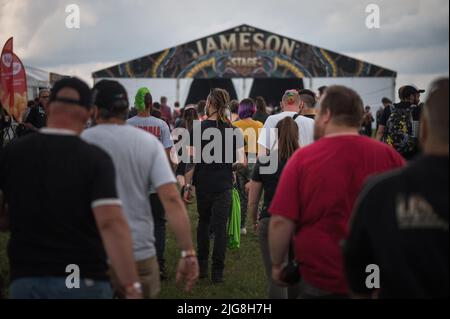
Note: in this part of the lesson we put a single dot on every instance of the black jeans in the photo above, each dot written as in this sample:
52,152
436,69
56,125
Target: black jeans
159,221
214,209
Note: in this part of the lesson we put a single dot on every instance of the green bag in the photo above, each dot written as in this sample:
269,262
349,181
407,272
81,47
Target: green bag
234,223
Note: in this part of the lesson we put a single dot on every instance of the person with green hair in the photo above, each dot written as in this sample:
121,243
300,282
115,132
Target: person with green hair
139,100
144,120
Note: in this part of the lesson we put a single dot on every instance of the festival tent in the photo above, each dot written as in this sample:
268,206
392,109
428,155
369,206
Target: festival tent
38,79
248,62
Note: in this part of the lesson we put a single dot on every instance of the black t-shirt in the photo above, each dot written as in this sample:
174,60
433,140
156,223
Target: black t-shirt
269,183
401,225
37,117
50,183
379,115
217,176
260,116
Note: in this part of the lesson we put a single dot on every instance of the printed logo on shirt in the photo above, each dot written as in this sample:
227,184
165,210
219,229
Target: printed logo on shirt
415,212
155,130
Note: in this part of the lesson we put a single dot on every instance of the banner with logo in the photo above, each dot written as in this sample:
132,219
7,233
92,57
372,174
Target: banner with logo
13,82
19,88
6,75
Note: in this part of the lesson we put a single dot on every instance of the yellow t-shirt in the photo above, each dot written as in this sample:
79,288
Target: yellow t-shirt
250,129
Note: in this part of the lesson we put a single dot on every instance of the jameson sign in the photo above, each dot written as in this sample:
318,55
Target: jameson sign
244,51
246,42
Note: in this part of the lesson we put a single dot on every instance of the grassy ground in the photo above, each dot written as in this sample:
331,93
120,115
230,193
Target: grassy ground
4,268
244,273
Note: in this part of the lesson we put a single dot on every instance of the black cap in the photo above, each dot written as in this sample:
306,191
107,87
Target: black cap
408,90
108,94
78,85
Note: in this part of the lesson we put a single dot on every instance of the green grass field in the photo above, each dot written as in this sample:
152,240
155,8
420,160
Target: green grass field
4,267
244,273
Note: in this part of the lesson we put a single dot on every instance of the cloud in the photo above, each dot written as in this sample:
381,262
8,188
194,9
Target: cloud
413,38
433,59
82,70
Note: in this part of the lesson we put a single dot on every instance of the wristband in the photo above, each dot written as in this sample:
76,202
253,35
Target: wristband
133,288
188,253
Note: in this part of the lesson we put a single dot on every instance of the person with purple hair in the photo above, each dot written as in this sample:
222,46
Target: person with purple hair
250,129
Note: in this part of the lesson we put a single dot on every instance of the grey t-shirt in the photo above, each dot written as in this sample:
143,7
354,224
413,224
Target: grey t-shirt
140,162
155,126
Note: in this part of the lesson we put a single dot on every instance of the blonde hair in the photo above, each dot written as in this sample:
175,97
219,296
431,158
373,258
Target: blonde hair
291,97
221,100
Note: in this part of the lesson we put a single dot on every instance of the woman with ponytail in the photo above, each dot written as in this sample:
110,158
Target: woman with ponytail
213,181
288,137
188,115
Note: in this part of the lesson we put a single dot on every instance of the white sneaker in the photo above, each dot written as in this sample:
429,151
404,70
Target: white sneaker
243,231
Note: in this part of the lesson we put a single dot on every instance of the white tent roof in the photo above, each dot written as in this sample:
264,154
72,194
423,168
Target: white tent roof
37,77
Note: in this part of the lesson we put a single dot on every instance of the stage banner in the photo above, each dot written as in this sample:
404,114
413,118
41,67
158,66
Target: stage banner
6,75
244,52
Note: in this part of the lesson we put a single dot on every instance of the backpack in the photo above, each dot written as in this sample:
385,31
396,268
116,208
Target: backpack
399,130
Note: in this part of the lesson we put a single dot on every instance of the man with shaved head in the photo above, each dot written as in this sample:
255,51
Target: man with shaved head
292,106
400,223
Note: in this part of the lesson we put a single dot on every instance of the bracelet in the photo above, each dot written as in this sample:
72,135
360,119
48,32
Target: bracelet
188,253
135,287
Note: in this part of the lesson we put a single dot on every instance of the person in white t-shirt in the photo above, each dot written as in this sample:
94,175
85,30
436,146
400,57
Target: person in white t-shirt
140,163
291,107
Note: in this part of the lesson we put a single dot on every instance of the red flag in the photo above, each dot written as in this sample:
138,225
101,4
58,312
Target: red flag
6,75
19,88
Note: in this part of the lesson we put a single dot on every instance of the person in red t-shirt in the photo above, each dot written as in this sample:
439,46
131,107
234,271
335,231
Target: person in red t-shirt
317,191
166,111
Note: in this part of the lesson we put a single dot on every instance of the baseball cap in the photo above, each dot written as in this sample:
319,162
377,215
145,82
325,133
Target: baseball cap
409,90
78,85
108,94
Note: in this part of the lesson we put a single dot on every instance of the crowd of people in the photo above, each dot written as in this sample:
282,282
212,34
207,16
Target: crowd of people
91,181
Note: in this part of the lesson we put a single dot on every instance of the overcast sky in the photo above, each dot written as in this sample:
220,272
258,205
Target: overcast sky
413,38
